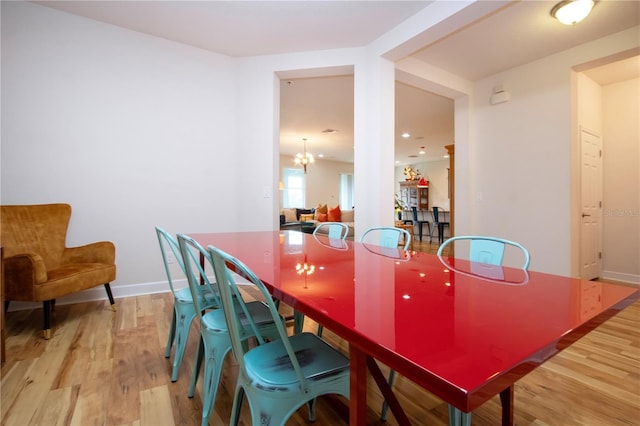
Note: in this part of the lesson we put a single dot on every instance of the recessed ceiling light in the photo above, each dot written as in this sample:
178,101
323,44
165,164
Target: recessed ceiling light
422,153
406,135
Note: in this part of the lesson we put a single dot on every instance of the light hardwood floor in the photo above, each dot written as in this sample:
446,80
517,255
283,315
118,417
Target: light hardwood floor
105,368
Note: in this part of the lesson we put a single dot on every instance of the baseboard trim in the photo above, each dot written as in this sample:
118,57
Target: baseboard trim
99,293
618,276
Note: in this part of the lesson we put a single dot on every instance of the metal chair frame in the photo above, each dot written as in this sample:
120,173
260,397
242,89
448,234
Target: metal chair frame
279,376
389,236
490,251
183,307
438,223
337,230
215,341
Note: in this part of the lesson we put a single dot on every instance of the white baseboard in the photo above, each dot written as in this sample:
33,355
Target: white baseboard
99,293
618,276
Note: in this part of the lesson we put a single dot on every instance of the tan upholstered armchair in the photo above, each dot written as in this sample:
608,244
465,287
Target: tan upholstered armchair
39,267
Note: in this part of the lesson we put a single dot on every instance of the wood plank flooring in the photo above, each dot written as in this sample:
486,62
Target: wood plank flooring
106,368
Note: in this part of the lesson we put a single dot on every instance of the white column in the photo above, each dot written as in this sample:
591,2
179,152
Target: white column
374,123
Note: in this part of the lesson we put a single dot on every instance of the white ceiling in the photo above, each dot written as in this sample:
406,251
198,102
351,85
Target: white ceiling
518,33
522,32
251,28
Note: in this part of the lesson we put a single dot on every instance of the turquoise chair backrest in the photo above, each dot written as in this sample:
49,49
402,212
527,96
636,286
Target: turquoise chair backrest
337,230
388,236
232,302
192,253
166,241
488,250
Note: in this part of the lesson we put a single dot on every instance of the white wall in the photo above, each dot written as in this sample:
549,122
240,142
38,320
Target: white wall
136,131
621,163
133,131
520,155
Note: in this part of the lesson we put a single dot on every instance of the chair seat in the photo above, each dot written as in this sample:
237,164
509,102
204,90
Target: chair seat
71,278
267,365
215,320
207,298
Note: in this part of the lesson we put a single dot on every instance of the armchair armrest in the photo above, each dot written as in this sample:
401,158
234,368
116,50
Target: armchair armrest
22,272
99,252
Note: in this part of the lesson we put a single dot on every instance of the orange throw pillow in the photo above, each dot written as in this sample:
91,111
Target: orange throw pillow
335,215
322,217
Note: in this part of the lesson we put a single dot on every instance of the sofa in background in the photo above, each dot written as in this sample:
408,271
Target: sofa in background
292,217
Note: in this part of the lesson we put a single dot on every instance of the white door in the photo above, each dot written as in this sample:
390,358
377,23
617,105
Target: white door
591,215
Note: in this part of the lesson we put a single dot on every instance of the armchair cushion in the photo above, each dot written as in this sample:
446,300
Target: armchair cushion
38,265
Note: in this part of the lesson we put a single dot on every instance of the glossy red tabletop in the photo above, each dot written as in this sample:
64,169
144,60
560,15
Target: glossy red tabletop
461,335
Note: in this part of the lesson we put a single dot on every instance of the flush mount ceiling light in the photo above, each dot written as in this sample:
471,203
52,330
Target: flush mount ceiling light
570,12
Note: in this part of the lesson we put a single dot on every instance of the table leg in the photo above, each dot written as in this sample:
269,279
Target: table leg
357,387
298,322
387,393
506,398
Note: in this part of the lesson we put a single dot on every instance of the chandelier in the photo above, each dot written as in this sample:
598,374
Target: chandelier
304,158
305,269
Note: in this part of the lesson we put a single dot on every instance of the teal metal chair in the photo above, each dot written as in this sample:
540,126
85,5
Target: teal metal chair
490,251
386,236
332,243
215,341
336,230
280,376
183,307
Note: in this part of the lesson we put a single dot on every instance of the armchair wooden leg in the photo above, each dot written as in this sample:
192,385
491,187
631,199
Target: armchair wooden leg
46,313
110,296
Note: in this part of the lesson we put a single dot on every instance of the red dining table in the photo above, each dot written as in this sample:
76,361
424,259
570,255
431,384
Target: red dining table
464,331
